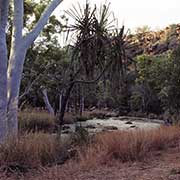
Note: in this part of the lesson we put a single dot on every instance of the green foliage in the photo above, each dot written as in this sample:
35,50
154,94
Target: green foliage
97,47
161,75
170,33
81,135
173,83
153,74
154,70
98,53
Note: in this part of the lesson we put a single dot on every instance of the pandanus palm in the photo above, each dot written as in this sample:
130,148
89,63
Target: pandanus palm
119,64
119,68
94,50
91,29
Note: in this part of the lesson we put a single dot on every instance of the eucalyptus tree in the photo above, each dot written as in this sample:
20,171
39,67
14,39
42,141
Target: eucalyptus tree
44,61
11,68
44,76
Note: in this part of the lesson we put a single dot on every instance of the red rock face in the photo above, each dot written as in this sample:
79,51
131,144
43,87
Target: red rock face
154,42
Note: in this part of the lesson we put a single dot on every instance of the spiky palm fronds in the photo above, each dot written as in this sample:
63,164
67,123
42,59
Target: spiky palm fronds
91,28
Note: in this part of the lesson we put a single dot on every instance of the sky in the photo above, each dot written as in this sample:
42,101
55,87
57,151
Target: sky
156,14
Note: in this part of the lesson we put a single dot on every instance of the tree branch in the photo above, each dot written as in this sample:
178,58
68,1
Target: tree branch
27,90
47,103
42,22
18,7
3,15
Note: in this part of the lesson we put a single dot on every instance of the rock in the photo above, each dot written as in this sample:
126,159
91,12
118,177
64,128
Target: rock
63,157
92,108
65,127
128,122
152,116
136,114
99,115
174,177
90,126
161,48
110,128
123,118
106,109
166,115
173,44
132,126
116,118
168,122
81,118
123,110
67,131
72,153
174,174
160,117
111,114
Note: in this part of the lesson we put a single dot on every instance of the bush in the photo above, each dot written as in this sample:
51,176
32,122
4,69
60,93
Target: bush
81,136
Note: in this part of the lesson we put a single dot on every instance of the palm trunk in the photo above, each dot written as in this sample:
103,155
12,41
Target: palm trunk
64,103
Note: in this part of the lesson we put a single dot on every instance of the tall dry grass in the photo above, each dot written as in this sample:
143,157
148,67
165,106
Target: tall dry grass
31,151
36,121
40,149
127,145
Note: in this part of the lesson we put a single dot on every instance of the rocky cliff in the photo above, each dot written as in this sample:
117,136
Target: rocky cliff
154,42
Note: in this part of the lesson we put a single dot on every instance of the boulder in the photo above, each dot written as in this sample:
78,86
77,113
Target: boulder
110,128
67,131
152,116
90,126
65,127
133,127
111,114
129,122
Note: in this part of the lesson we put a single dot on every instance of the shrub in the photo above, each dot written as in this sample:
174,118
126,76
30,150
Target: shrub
81,136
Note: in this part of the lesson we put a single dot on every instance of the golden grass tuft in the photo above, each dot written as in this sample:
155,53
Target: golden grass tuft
40,149
36,121
127,145
30,151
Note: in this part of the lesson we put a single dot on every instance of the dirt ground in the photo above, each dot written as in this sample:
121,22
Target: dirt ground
161,165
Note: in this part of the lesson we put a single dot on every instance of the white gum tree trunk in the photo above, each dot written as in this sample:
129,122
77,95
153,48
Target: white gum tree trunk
3,68
11,71
60,101
47,103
